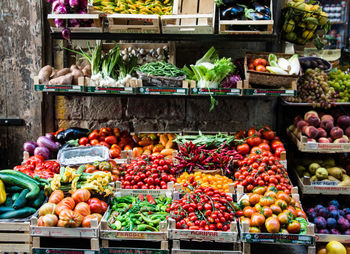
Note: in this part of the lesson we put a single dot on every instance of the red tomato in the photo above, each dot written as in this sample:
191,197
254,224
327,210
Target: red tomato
104,144
114,153
260,61
243,149
251,66
256,150
95,205
93,135
111,140
83,141
254,141
264,146
260,68
253,131
269,135
275,144
279,150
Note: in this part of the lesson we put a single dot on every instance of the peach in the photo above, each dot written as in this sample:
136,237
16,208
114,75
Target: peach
311,132
309,114
323,140
336,132
327,124
301,124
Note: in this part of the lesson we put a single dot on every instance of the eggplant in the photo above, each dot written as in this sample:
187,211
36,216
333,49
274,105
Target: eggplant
262,9
232,13
71,133
259,16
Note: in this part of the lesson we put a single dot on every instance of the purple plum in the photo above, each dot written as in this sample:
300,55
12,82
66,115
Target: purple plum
331,223
347,216
310,210
320,222
318,207
335,231
347,232
323,231
323,212
346,210
343,224
334,202
341,213
334,214
332,207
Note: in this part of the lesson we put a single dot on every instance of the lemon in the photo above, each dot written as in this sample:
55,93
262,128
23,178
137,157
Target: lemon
335,247
307,35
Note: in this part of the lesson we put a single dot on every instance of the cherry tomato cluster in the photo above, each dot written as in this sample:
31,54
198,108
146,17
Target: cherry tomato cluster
203,209
258,141
114,139
147,172
37,166
262,170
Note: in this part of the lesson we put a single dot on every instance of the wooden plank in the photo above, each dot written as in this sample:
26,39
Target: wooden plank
15,247
73,16
206,7
246,22
189,7
15,237
14,226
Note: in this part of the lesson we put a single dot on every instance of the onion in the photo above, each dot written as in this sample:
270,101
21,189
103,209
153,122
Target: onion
29,147
74,23
60,22
61,9
50,136
46,142
83,4
49,1
43,151
66,33
63,2
74,3
55,4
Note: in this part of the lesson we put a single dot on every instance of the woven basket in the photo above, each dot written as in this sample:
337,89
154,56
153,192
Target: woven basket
160,81
266,78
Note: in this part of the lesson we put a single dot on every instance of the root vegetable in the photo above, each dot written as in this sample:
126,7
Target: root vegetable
76,74
63,80
87,71
44,74
62,72
53,73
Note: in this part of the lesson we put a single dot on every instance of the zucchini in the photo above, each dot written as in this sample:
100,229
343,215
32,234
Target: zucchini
15,196
8,202
4,209
13,189
20,174
39,200
21,200
21,182
41,181
21,213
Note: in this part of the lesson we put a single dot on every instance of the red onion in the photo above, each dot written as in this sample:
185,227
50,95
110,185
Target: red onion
83,4
61,9
63,2
60,22
74,3
74,23
66,33
29,147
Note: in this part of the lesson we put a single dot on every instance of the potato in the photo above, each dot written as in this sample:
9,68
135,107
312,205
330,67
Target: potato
54,71
73,67
63,80
62,72
76,74
44,74
87,71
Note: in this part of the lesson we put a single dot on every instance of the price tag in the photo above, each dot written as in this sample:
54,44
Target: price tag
312,145
324,183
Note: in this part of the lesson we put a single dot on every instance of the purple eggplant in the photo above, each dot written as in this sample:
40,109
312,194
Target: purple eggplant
46,142
43,151
29,147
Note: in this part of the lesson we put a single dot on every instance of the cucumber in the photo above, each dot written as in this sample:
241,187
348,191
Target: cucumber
21,182
21,213
15,196
21,200
41,181
39,200
4,209
19,174
8,202
13,189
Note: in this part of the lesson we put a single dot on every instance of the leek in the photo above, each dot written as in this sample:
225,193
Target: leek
276,70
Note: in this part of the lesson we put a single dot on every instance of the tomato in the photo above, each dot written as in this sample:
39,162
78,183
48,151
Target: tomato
93,135
114,153
35,160
83,209
251,66
257,220
279,150
281,203
276,143
248,211
260,68
294,227
250,60
254,230
243,149
95,205
56,197
81,195
276,209
83,141
266,211
300,213
102,143
264,146
254,198
267,201
111,140
269,135
260,61
263,61
252,132
271,193
284,196
272,225
94,142
254,141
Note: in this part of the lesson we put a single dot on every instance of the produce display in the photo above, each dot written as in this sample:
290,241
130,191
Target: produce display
313,88
161,69
67,76
323,170
340,81
36,166
105,166
272,211
322,128
20,195
302,20
330,218
203,209
74,211
275,65
141,213
216,181
161,7
147,172
145,55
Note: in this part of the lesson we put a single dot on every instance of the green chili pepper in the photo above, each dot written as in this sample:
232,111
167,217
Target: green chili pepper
144,227
148,220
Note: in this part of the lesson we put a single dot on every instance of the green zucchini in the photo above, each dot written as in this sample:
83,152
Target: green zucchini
21,182
4,209
21,200
8,202
21,213
15,196
20,174
13,189
39,200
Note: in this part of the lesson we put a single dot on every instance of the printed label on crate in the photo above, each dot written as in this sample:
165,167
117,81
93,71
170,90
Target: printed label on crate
64,232
328,238
312,145
58,88
223,91
324,183
278,238
63,251
117,90
328,189
162,90
202,235
270,92
327,146
132,251
133,235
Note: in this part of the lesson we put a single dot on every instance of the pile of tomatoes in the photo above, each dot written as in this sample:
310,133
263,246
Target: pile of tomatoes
262,170
147,172
258,64
258,141
114,139
203,209
106,166
37,166
272,211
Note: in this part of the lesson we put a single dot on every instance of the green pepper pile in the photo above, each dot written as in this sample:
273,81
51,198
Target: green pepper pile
130,213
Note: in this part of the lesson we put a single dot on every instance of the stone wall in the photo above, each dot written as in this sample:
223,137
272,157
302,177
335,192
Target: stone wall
20,57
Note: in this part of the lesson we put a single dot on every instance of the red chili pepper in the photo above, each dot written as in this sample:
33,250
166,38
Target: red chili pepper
150,199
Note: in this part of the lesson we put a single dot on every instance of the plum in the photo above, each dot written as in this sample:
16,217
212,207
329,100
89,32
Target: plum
322,133
334,214
297,119
347,216
342,213
327,117
343,121
347,232
323,140
310,210
323,212
313,121
320,222
343,224
318,207
335,231
346,210
312,132
336,132
310,114
327,125
332,207
301,124
323,231
331,223
347,131
334,203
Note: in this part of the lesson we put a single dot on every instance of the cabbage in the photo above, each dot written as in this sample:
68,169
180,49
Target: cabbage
231,81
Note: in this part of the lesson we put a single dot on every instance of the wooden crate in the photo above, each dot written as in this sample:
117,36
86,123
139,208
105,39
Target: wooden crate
60,88
311,147
64,233
155,90
133,23
267,25
15,237
177,249
248,90
96,28
217,91
193,17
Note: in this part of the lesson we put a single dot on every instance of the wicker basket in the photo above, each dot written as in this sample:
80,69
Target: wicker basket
160,81
266,78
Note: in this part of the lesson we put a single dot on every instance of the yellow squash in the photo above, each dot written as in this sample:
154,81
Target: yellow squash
2,192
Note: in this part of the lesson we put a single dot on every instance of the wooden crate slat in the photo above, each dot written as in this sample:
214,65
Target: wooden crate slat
205,6
14,226
15,237
73,16
189,7
15,247
247,22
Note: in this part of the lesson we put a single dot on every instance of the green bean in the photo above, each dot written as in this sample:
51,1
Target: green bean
161,69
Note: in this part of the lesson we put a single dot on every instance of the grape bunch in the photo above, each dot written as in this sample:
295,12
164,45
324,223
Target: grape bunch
340,81
313,88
